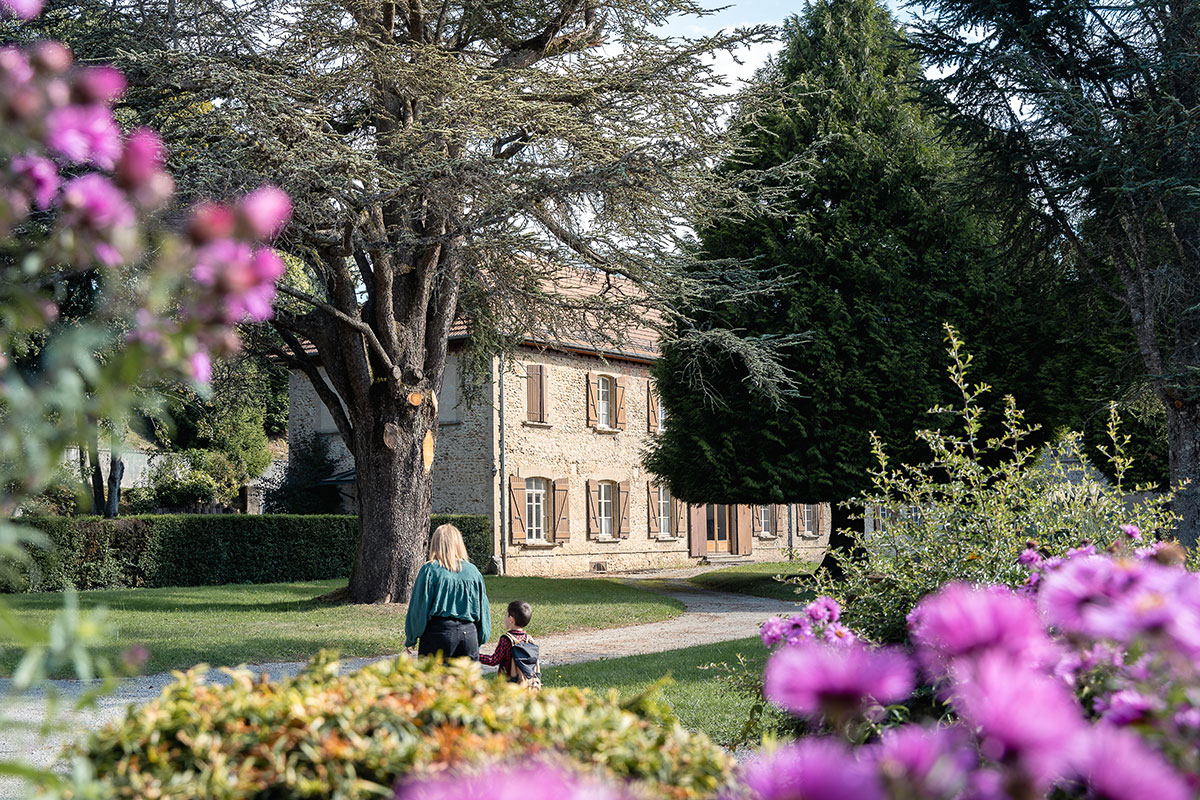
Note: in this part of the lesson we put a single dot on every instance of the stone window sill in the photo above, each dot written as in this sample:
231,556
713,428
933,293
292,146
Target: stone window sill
537,544
442,422
767,536
606,539
667,538
607,431
531,424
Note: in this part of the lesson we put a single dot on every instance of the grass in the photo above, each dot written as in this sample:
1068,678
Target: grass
758,579
700,699
230,625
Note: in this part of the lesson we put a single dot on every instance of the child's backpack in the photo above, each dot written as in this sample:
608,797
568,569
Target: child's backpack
524,666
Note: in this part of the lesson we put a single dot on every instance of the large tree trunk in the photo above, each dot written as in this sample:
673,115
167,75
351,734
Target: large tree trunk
393,469
93,448
1183,440
844,534
116,471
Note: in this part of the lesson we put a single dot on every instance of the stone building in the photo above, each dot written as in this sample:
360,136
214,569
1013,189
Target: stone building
555,460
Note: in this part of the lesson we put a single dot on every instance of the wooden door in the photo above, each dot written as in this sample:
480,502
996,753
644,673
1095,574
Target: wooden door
718,527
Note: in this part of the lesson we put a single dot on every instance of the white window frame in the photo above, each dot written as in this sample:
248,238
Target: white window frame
809,517
766,519
662,416
536,507
606,522
606,390
664,511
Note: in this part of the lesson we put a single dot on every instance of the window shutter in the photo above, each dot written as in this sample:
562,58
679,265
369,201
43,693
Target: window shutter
619,384
756,526
652,509
516,508
698,532
535,385
743,539
593,509
781,519
651,408
824,519
623,512
561,530
679,518
592,382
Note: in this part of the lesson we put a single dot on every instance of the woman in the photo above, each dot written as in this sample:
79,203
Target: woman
448,611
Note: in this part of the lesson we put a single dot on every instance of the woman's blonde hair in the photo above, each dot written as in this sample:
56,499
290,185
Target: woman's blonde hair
446,547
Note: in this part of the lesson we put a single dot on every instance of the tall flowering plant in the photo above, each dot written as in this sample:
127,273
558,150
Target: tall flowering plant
80,201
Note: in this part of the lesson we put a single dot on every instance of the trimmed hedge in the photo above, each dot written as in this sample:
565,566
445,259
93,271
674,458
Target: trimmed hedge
206,549
325,735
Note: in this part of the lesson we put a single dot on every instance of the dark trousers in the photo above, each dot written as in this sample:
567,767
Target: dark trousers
451,637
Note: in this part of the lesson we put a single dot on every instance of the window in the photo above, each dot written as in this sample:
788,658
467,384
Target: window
766,519
535,397
604,402
661,414
604,508
535,509
808,519
664,511
448,398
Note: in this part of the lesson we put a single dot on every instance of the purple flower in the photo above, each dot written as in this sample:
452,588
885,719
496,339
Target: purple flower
1133,532
1116,765
812,769
199,367
1083,550
1025,719
960,621
530,782
1030,557
15,69
265,211
772,631
823,609
39,178
1128,706
931,763
141,158
798,630
814,678
93,201
99,85
837,633
21,9
84,135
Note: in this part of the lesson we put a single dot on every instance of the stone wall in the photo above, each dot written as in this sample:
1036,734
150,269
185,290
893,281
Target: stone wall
465,458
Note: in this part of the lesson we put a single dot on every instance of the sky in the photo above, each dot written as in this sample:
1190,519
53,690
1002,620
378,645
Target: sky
744,13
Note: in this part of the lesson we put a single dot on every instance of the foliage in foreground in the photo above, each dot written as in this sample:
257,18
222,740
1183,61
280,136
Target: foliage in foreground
325,735
973,507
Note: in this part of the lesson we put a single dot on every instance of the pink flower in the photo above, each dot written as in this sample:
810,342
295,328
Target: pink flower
94,202
799,629
530,782
99,85
812,769
51,57
243,278
199,367
21,9
837,633
772,631
210,222
39,178
930,763
823,609
142,157
84,135
963,622
1117,765
1133,532
1030,557
1024,718
15,69
813,678
264,211
1128,706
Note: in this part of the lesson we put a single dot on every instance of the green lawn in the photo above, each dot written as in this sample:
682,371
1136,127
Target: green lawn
230,625
757,579
701,700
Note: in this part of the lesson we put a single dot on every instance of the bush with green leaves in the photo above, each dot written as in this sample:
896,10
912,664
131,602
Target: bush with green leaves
298,489
191,477
968,512
327,735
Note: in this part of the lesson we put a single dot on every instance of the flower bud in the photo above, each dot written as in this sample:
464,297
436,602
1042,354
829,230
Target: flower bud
209,222
100,85
52,58
264,211
141,157
21,9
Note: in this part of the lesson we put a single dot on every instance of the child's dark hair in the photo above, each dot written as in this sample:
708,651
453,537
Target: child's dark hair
521,612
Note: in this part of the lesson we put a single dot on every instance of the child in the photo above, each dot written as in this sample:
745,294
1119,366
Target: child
516,655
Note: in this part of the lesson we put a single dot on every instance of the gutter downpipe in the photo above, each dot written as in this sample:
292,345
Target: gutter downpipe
791,528
503,472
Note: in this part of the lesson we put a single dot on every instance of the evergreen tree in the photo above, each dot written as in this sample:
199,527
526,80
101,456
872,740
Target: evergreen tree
878,253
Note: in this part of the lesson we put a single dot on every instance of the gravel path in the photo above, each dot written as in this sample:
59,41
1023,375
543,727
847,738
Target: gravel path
709,617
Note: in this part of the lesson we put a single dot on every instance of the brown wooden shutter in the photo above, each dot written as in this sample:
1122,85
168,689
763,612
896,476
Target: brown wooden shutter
652,509
679,518
781,519
516,508
561,531
744,540
623,525
592,382
756,526
619,383
698,531
593,509
535,393
651,408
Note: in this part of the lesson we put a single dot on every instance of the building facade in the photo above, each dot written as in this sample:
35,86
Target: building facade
553,454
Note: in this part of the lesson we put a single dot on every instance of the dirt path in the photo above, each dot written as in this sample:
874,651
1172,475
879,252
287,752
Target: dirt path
709,617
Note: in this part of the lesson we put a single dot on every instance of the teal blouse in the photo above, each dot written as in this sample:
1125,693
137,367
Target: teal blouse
439,592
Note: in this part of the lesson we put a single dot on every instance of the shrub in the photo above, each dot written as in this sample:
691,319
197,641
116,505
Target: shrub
321,734
204,550
295,491
969,512
194,476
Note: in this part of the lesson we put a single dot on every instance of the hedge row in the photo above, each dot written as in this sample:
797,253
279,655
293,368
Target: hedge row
205,550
